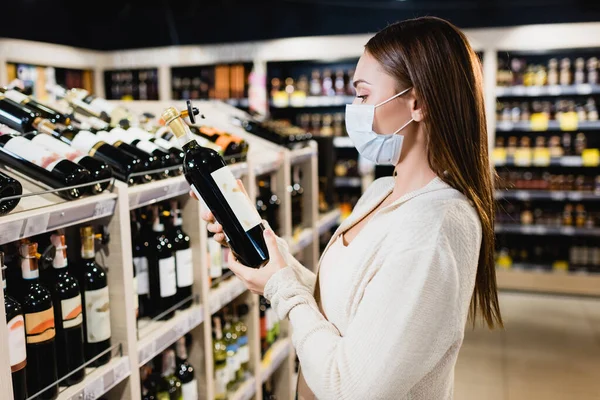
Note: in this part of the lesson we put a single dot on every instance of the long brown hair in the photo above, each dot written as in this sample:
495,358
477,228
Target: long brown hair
435,58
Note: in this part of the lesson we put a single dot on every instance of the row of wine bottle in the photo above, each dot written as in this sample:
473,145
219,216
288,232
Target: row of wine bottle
56,321
170,376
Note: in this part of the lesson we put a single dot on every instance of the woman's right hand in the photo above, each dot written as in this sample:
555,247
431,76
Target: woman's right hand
211,224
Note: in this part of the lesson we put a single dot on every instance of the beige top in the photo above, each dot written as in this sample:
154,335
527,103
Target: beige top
396,303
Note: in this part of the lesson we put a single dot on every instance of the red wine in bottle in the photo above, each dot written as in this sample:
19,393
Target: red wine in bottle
149,162
39,328
17,352
213,182
9,187
175,152
22,155
162,156
43,110
185,372
183,256
68,315
95,304
98,169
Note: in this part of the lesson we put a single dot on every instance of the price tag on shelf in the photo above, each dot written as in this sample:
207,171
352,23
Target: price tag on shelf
539,122
505,126
523,157
182,327
590,157
567,230
35,225
568,121
519,90
94,389
534,91
575,196
558,196
583,88
522,195
147,352
11,231
554,90
121,370
541,157
103,208
108,380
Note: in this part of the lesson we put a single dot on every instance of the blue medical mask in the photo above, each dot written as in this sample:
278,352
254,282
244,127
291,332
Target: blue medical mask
380,149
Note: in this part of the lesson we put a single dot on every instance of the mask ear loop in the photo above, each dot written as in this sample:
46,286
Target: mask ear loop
393,97
404,126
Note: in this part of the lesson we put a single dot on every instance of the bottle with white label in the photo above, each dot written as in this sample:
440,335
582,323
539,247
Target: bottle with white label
220,359
140,267
52,115
165,159
215,255
17,352
68,315
95,301
161,266
185,371
49,168
212,181
243,346
176,153
183,257
233,360
39,327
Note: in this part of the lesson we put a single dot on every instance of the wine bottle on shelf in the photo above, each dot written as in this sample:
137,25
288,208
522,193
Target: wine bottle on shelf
140,267
215,260
86,123
34,161
231,340
262,310
9,187
220,359
185,372
39,328
297,191
162,156
233,146
99,170
165,133
44,111
68,315
161,267
96,303
183,256
242,333
170,385
76,102
17,352
211,180
175,152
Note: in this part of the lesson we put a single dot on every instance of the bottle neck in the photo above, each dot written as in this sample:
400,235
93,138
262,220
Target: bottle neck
29,268
168,364
181,350
158,226
88,250
60,259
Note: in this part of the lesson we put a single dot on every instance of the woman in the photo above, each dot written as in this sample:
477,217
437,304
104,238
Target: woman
386,316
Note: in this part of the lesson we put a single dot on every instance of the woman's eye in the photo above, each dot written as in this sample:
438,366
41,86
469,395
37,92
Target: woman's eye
363,97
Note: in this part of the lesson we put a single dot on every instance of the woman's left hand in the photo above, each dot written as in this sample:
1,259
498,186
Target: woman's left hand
256,279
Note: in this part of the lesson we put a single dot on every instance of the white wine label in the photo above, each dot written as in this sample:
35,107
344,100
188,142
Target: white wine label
101,105
97,315
189,390
141,270
16,343
221,379
148,147
162,143
84,141
232,363
71,312
136,300
168,281
56,146
33,153
242,207
39,326
15,96
185,268
216,254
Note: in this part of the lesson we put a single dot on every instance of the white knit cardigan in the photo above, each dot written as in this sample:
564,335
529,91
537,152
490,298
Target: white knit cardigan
406,310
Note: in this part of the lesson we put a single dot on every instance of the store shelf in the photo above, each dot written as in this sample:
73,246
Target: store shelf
328,220
314,101
543,230
566,161
38,214
300,155
547,91
225,293
301,240
246,391
344,181
157,191
274,357
158,335
525,126
549,282
244,103
559,195
98,380
342,142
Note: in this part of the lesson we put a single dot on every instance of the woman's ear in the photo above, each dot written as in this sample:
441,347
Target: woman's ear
416,110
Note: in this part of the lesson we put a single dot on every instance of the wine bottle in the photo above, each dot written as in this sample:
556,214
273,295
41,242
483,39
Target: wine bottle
68,315
185,372
233,146
231,341
98,169
17,352
183,257
296,190
175,152
43,110
162,156
23,156
39,328
267,203
212,181
242,333
96,303
262,312
122,163
75,101
220,358
17,116
170,385
161,267
9,187
290,138
149,162
165,133
215,260
140,266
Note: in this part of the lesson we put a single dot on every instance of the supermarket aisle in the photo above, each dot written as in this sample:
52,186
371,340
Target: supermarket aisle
549,350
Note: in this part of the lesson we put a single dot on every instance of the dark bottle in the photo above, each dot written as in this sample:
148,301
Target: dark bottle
9,187
185,372
99,170
43,110
267,204
233,146
140,267
147,383
17,116
212,181
68,315
170,385
296,190
39,328
264,325
291,138
164,158
96,304
183,257
17,352
161,267
27,158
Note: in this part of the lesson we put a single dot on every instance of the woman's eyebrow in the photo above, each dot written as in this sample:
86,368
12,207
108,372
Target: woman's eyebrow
356,82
